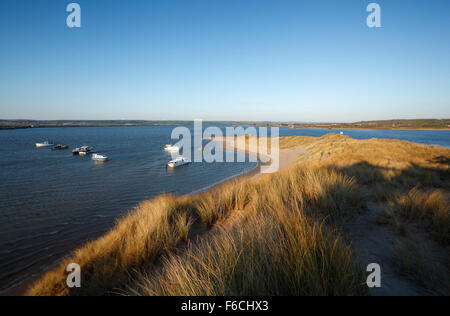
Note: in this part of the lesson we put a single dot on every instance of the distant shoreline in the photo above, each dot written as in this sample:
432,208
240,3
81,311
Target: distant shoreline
76,126
379,128
9,128
397,124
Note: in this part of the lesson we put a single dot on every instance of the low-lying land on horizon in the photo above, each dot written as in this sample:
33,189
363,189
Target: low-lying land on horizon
309,230
443,124
388,124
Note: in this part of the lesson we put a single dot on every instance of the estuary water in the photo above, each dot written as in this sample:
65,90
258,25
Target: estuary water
51,201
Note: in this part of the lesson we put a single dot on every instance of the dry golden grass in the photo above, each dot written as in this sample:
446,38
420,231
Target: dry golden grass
375,161
274,235
413,179
387,168
277,252
431,207
277,244
139,238
296,141
216,205
410,260
279,203
339,150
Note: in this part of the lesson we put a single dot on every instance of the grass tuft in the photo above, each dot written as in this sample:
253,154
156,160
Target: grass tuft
277,252
431,208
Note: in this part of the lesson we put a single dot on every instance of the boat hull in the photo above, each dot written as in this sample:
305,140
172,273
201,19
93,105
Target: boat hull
40,145
61,148
171,149
176,164
98,157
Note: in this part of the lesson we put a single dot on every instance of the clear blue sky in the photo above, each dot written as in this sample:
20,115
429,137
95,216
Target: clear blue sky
284,60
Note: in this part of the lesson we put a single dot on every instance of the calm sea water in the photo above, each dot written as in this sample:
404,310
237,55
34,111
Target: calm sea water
51,202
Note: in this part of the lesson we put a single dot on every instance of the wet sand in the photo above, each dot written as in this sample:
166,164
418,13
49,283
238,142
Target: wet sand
287,157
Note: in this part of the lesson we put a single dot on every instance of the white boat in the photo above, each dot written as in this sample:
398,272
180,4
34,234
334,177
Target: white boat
82,151
44,144
99,157
178,162
172,148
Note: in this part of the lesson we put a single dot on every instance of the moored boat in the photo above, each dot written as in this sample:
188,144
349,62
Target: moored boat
82,151
44,144
171,148
178,162
60,147
99,157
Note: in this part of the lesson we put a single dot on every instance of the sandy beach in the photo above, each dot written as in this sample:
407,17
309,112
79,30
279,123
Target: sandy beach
287,157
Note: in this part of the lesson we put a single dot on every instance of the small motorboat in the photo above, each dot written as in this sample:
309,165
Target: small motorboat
60,147
99,157
172,148
82,151
44,144
178,162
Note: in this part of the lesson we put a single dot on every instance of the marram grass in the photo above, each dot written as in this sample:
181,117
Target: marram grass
280,242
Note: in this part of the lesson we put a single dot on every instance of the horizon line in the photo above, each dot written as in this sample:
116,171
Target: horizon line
218,120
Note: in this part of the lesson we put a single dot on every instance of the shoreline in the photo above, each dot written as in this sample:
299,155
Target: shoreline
376,128
9,128
287,157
